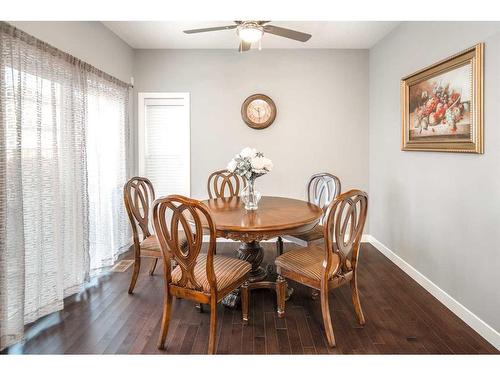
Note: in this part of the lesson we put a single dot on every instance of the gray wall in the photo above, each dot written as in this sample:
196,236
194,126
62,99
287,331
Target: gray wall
322,102
91,42
440,212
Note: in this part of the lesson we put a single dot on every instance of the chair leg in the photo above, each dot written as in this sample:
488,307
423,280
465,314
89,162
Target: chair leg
280,295
355,299
327,321
244,301
279,246
153,267
165,320
135,274
213,327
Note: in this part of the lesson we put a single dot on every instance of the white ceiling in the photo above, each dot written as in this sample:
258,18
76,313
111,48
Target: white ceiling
325,34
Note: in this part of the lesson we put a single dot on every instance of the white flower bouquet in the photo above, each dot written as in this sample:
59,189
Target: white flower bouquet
250,164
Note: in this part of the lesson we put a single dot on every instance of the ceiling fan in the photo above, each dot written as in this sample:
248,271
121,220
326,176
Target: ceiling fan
252,31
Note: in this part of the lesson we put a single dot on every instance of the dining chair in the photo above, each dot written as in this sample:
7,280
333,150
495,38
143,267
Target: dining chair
202,278
224,184
322,189
333,264
139,194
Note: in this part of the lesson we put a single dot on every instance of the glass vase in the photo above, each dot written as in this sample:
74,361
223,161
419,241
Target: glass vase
250,196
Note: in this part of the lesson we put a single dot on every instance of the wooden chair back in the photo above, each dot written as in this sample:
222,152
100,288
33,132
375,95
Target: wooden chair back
138,194
172,213
322,189
344,223
224,184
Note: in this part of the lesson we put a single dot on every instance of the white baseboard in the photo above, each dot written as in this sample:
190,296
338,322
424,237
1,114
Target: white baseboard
456,307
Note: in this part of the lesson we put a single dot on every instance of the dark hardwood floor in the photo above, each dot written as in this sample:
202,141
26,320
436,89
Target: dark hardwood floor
401,317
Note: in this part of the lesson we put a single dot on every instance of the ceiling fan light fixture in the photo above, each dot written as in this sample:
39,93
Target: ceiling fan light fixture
250,32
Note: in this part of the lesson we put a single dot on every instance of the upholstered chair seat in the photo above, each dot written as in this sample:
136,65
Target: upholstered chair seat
306,261
226,270
151,243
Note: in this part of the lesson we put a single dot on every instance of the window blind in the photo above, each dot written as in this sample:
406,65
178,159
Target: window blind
165,143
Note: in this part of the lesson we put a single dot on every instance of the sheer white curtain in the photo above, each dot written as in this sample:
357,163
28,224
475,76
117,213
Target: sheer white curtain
107,137
62,165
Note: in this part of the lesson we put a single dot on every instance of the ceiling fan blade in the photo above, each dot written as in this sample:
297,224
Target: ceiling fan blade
244,46
262,22
287,33
194,31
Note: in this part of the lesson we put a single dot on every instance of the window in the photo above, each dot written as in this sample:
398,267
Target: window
164,141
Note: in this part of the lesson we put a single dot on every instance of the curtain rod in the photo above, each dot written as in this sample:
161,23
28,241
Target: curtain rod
34,41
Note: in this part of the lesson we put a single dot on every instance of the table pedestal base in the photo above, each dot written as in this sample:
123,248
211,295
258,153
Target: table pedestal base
253,253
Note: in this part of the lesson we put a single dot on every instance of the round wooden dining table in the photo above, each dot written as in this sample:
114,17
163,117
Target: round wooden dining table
275,217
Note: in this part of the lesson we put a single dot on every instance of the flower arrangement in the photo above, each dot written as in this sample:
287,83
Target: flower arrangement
250,164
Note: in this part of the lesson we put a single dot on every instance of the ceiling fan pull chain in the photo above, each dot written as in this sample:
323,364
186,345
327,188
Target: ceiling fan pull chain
260,44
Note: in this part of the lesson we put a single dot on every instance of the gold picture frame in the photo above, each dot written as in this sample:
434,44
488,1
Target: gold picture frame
442,105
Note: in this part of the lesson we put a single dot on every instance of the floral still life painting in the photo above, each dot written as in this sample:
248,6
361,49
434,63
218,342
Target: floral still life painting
442,105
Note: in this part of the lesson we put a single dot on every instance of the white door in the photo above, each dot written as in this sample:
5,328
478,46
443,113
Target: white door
164,142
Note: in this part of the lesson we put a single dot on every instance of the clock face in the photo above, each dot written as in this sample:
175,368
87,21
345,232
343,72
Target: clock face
258,111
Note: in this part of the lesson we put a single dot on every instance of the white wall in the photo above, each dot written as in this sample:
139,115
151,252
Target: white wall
91,42
440,212
321,98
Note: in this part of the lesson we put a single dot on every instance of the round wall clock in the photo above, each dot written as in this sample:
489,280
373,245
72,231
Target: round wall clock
258,111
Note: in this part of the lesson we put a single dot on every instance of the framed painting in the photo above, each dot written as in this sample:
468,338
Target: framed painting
442,105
